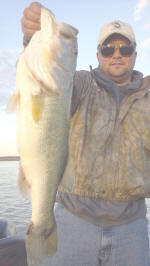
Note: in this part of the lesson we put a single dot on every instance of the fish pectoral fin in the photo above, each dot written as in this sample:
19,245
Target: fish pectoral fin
40,243
13,102
37,108
23,185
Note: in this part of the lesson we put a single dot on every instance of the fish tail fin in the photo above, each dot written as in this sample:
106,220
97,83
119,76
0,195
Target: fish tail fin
13,102
40,243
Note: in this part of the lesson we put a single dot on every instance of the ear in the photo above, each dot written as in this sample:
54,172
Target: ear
135,55
98,56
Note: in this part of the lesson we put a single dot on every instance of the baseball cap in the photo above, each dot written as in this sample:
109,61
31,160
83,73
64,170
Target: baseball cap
118,27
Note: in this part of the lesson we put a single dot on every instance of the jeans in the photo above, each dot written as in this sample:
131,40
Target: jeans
81,243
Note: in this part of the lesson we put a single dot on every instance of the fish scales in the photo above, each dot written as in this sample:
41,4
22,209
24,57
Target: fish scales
44,82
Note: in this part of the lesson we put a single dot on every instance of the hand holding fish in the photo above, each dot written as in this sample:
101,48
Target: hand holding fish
31,19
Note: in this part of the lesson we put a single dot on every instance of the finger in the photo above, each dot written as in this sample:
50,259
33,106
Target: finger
28,24
36,7
28,32
30,15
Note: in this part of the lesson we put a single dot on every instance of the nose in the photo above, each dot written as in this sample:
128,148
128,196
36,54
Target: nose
117,53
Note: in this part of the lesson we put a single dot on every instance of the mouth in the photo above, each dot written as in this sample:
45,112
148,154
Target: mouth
116,64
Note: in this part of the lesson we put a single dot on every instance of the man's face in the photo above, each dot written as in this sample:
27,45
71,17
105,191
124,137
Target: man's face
117,67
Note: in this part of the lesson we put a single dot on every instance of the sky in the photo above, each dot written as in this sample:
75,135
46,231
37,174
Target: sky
88,17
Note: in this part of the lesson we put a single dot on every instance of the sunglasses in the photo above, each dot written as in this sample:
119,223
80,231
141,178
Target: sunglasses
109,49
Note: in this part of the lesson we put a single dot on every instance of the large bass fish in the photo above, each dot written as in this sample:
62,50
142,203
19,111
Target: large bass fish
44,82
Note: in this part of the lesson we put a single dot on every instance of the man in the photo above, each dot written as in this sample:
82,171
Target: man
100,209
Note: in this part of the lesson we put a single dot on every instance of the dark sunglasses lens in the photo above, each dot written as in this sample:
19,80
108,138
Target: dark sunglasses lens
107,51
126,50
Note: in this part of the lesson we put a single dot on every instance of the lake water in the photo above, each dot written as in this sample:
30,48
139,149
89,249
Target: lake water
13,207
